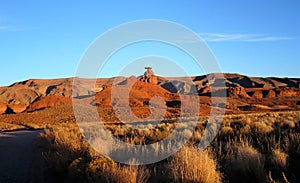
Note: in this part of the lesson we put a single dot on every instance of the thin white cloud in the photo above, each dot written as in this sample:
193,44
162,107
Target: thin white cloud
270,38
217,37
4,28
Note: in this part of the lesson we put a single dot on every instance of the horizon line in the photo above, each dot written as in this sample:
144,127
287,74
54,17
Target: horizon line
110,77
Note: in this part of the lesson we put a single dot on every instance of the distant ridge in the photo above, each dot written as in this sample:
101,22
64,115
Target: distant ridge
242,91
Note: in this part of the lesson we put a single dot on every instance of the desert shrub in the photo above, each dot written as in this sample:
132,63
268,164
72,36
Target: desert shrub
96,167
246,129
294,157
227,130
196,136
193,165
248,121
125,174
249,148
279,159
261,127
63,144
288,124
76,170
75,161
246,164
277,165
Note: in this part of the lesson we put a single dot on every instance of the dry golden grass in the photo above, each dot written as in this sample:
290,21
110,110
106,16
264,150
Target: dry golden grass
261,127
262,147
63,144
96,167
279,159
68,153
10,127
278,166
294,156
193,165
227,130
126,174
246,163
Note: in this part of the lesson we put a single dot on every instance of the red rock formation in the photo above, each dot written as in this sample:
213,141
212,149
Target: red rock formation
271,94
17,108
237,92
241,91
286,92
49,101
149,76
257,94
3,108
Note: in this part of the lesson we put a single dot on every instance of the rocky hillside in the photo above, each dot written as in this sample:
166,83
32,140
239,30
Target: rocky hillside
243,93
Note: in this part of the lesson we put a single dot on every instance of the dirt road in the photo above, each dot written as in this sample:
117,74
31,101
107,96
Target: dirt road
21,158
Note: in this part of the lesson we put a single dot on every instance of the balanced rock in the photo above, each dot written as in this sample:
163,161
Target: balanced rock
149,76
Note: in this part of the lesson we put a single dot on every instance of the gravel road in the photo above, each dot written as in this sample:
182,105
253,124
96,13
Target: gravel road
21,158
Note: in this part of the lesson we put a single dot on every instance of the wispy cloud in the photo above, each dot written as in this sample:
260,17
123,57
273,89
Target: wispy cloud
218,37
4,28
270,38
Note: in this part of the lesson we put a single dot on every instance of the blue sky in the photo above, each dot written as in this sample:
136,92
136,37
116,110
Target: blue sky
46,39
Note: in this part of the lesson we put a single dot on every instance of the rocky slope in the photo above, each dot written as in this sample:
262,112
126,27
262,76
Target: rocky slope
243,93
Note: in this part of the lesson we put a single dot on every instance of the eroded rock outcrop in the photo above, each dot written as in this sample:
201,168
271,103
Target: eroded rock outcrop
149,76
270,94
258,94
237,92
49,101
286,92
